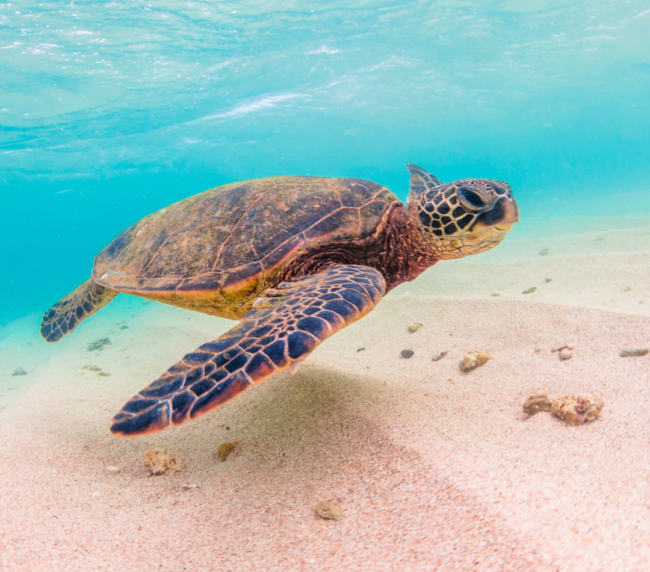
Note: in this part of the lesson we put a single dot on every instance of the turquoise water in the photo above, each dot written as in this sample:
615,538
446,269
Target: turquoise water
112,110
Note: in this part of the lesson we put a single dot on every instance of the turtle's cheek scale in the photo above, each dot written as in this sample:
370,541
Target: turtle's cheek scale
280,331
451,229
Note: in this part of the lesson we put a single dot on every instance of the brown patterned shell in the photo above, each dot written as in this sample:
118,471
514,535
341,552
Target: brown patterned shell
216,251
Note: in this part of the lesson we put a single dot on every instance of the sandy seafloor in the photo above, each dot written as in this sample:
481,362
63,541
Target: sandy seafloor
435,469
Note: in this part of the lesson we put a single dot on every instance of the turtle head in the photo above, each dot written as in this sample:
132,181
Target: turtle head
460,218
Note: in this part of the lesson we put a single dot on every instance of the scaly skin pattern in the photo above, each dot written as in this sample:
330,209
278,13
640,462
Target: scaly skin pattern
68,312
283,328
395,249
451,217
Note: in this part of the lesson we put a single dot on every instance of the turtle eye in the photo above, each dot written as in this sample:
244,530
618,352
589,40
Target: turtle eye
471,199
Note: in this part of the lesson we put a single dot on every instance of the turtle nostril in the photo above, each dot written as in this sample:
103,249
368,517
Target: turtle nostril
471,197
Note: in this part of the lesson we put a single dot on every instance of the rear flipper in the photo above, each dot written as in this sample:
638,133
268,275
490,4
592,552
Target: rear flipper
279,332
68,312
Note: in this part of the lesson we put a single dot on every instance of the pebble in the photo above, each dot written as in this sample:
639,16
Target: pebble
495,294
439,355
530,290
407,354
414,326
536,403
19,371
113,469
360,349
329,511
634,352
544,251
547,280
159,460
225,450
565,350
474,359
538,349
189,487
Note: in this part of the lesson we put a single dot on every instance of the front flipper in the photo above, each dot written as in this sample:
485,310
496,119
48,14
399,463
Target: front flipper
282,329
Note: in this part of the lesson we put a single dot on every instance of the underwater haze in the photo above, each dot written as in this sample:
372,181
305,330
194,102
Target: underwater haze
490,415
111,110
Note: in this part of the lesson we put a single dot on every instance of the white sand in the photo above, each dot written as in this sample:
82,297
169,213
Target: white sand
435,469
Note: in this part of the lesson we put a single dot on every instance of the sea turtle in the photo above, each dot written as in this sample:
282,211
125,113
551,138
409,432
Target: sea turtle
295,259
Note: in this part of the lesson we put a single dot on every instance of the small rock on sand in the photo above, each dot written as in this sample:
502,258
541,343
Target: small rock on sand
19,371
629,352
536,403
577,409
407,354
159,460
113,469
329,511
439,355
225,449
544,251
474,359
547,280
530,290
98,345
414,326
574,409
565,350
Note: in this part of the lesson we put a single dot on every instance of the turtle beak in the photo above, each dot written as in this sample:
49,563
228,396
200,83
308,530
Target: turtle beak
510,217
500,217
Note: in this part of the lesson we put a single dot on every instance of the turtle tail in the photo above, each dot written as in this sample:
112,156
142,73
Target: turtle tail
70,311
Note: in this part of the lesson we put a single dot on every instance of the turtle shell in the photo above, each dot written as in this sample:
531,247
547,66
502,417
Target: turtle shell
215,252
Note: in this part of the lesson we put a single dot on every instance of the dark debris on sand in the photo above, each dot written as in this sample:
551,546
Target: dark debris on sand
98,345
